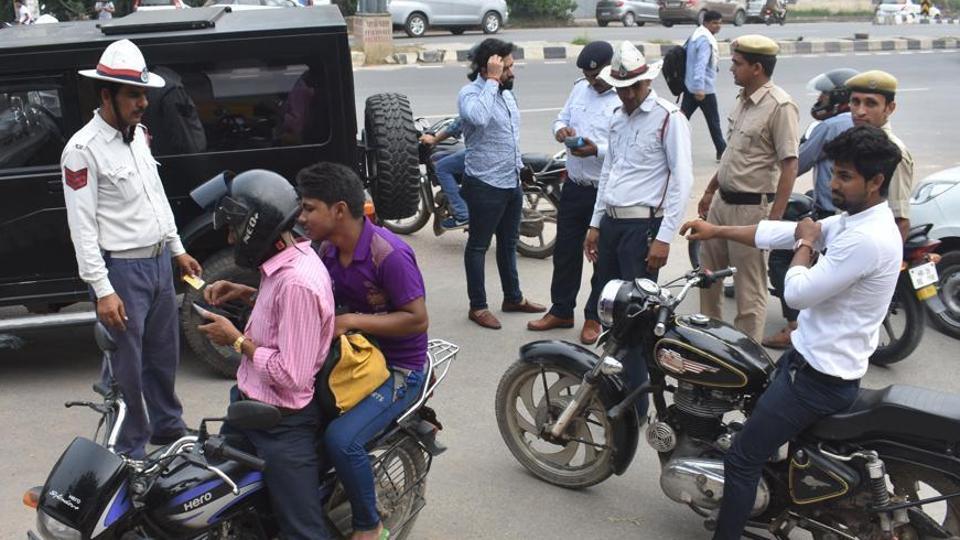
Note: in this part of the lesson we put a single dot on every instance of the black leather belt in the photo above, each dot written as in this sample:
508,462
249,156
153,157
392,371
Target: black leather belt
807,369
738,197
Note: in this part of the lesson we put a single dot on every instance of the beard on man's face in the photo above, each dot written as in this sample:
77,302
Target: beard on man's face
506,85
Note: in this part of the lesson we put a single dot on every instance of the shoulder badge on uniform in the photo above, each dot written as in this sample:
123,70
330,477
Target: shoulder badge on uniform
75,179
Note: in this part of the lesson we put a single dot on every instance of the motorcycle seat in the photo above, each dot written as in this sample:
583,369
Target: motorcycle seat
897,410
535,160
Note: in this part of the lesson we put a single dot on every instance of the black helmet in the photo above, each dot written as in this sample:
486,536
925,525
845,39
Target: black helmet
257,205
831,83
800,206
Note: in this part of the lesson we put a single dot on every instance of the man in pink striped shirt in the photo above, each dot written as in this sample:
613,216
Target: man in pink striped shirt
284,343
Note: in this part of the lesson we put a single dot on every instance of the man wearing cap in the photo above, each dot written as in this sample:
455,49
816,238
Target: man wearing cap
586,115
754,180
644,184
124,236
700,80
872,102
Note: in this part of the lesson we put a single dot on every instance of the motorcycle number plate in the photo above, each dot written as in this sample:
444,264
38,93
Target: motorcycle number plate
923,275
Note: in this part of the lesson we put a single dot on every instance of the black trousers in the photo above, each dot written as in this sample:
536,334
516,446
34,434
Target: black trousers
711,113
576,209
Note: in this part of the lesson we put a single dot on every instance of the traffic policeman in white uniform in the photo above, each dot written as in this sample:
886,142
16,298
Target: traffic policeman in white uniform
644,184
124,236
584,121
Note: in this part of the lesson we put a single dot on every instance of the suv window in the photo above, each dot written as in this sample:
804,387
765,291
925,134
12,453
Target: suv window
224,106
31,126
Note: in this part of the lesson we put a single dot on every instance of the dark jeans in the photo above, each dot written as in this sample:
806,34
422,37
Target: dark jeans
622,253
576,209
492,211
293,470
777,266
148,352
794,401
345,438
710,112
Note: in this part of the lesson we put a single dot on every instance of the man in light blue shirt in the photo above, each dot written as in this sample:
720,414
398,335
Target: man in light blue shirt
491,182
700,79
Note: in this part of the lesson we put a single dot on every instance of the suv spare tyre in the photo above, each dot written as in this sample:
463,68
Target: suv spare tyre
392,158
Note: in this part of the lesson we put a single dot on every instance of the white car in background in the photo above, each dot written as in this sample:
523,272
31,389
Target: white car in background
416,16
936,200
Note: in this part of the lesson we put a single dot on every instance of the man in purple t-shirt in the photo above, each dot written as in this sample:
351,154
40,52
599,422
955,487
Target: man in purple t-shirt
378,285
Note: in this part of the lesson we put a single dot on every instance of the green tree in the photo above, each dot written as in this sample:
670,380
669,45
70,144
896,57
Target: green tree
542,9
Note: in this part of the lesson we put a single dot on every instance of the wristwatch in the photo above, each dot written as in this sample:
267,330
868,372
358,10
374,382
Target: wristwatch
804,243
238,343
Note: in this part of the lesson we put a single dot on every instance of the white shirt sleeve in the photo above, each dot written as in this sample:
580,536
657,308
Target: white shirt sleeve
835,271
600,207
676,146
81,204
563,119
775,234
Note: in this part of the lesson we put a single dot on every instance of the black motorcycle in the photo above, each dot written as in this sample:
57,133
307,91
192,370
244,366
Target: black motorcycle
541,179
885,468
202,487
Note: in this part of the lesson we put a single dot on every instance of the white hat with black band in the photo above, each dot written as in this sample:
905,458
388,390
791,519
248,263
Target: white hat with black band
123,63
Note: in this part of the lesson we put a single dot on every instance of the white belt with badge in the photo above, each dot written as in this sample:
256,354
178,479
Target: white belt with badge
638,211
148,252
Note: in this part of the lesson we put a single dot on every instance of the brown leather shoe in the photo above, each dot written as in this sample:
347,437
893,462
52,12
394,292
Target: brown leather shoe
484,318
524,306
590,332
780,340
549,322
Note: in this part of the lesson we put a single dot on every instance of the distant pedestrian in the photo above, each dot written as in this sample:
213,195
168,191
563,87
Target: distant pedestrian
754,179
491,183
586,115
703,64
104,10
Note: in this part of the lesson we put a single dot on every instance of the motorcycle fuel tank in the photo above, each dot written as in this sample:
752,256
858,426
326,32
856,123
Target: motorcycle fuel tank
188,498
708,352
85,491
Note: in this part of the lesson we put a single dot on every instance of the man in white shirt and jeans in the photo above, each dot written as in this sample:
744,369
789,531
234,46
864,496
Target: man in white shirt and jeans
842,295
644,184
124,236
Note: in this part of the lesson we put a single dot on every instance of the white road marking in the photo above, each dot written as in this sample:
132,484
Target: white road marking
556,62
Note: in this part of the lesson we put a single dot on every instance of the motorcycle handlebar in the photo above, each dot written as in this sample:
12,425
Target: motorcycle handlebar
711,277
661,327
217,447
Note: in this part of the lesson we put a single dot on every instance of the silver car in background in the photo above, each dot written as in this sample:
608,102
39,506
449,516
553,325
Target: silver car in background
629,12
416,16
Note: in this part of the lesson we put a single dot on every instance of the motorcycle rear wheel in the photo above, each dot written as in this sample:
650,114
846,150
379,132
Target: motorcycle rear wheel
538,222
902,328
530,396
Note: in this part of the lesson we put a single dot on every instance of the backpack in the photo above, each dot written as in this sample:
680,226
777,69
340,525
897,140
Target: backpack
675,69
354,368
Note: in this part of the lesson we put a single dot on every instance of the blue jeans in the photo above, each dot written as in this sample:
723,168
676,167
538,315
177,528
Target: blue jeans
492,211
576,209
346,437
794,401
622,254
446,168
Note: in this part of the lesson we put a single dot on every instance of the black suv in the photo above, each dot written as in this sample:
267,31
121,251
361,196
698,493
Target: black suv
269,89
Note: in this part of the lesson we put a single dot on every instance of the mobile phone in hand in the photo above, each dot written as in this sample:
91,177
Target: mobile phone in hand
574,142
204,309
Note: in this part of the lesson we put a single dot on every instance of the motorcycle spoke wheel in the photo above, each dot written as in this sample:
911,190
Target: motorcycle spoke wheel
912,483
529,399
538,224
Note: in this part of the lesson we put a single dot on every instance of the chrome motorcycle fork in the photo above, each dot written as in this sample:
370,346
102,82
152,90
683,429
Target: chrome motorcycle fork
608,365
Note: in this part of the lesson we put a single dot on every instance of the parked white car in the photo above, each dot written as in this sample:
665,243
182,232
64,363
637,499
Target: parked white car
936,200
416,16
905,8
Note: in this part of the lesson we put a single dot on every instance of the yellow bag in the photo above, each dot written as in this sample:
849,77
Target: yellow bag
354,368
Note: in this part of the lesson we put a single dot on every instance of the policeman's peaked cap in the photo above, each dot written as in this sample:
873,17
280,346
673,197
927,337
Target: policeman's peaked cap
595,54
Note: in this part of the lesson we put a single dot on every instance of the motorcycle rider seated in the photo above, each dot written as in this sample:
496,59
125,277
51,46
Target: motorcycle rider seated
832,113
447,167
842,293
376,278
284,343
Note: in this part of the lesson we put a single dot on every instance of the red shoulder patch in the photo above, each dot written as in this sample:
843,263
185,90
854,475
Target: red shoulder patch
75,179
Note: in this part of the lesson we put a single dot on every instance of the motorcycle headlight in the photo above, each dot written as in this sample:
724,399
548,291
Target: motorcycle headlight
929,190
51,529
606,306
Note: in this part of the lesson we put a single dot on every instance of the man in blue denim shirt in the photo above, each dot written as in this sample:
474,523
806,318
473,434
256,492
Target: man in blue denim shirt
700,80
491,183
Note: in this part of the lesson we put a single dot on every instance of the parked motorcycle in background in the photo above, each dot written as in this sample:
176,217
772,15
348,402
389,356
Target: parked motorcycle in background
885,468
202,487
541,179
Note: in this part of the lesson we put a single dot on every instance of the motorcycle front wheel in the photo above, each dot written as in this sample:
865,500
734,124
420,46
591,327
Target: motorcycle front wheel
529,398
538,222
901,329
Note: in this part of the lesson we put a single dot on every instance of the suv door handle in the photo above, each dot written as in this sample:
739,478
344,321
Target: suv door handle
55,186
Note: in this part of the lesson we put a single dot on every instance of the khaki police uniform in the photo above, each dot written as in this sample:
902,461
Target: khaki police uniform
762,131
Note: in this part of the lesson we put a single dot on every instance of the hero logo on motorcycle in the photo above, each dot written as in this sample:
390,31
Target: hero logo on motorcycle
197,501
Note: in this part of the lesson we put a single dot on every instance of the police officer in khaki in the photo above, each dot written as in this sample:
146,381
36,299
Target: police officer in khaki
125,237
872,102
754,180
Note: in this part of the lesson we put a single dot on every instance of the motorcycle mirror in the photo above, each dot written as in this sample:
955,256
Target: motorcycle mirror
249,414
693,248
104,340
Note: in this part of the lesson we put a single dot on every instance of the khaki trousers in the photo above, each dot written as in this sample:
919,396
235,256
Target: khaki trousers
751,263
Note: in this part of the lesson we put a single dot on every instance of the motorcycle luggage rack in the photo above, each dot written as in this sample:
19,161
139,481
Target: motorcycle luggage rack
440,353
